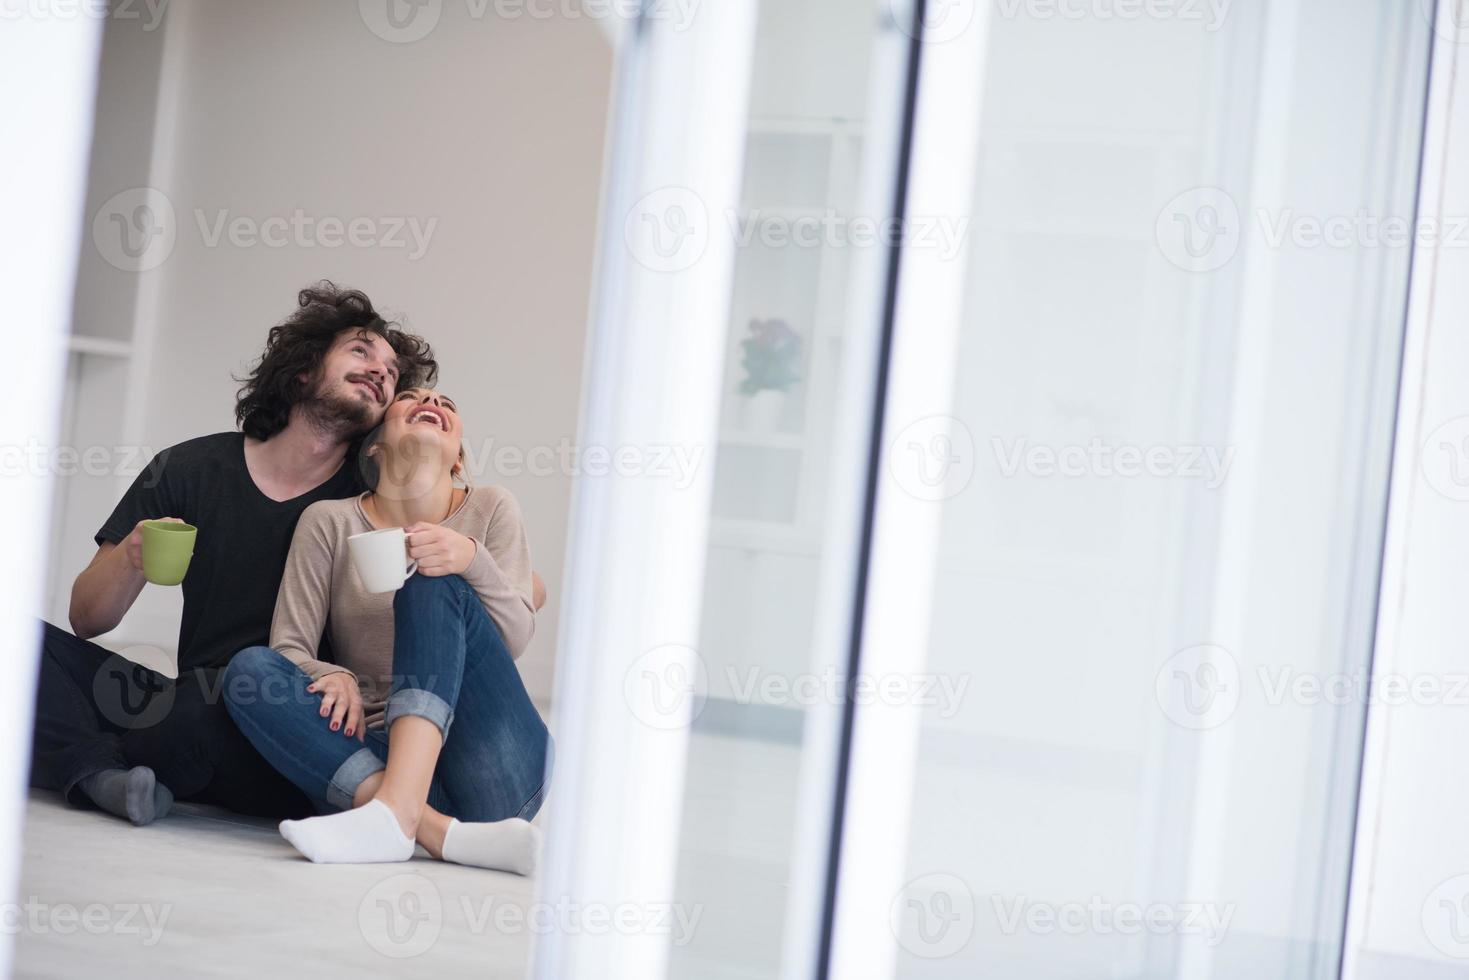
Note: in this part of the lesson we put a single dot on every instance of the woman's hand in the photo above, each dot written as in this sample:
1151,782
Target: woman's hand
438,549
341,700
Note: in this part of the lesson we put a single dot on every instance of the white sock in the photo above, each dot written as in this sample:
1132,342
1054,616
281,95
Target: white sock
367,835
505,845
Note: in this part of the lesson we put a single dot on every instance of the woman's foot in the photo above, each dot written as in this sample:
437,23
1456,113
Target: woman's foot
506,845
370,834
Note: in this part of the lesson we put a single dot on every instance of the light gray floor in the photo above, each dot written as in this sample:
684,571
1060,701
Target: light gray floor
206,893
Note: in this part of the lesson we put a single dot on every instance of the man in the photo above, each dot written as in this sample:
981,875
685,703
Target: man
115,735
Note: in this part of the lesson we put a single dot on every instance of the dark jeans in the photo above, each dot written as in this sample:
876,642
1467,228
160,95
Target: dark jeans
450,666
96,710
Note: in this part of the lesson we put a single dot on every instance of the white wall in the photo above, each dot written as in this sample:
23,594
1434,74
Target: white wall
490,128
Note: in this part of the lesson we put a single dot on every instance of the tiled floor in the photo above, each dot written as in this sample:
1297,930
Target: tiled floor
204,893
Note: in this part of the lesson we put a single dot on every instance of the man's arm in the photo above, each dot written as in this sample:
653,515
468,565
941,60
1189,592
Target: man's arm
107,588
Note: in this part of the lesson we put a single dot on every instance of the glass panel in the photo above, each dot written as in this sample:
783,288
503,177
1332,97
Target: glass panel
1175,390
800,342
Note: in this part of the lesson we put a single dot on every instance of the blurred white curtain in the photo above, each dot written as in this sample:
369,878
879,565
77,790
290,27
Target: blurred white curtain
48,64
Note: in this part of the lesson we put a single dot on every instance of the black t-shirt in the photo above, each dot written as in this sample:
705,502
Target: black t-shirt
240,552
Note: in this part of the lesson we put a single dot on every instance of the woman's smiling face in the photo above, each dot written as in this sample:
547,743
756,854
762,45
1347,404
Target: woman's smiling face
421,423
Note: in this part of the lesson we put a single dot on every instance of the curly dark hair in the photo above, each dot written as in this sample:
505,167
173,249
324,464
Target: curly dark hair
297,346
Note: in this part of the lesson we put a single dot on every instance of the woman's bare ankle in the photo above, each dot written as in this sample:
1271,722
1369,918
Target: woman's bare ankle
409,814
432,829
367,790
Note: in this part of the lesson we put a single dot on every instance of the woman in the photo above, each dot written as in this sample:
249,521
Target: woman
421,729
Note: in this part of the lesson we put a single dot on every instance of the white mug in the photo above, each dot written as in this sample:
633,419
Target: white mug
380,558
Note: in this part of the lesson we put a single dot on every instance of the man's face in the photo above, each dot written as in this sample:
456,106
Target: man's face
358,378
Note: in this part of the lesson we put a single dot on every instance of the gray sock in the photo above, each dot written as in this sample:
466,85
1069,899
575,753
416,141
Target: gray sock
132,793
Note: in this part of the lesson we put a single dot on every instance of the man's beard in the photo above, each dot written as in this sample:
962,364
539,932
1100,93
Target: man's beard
336,413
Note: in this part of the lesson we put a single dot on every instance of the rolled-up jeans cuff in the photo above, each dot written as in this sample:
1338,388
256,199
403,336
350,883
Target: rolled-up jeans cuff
421,704
349,776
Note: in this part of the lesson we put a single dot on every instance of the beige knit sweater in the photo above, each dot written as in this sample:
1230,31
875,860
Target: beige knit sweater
319,578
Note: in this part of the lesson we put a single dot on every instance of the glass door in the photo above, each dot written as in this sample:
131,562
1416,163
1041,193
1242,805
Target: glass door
803,341
1154,498
1038,364
744,271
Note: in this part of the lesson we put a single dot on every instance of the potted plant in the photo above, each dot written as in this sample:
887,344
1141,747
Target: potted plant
772,355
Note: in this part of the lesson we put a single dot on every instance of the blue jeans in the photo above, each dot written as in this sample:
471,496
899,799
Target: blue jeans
450,666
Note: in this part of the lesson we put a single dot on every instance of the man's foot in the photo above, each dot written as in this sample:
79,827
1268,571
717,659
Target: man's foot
506,845
369,834
131,793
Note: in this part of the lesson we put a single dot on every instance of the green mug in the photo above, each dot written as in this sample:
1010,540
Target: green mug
167,548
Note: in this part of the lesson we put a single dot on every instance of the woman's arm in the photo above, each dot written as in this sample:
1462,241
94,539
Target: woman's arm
500,574
305,596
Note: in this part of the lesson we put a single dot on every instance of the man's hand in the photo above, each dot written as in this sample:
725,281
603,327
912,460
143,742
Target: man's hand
106,589
134,541
341,701
439,550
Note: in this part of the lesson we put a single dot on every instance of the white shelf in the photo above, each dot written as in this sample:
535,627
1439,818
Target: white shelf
768,440
765,537
820,126
98,345
792,212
